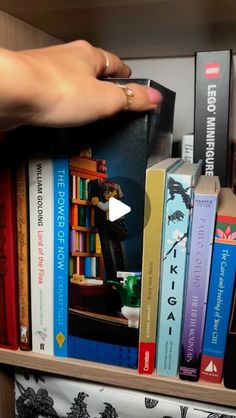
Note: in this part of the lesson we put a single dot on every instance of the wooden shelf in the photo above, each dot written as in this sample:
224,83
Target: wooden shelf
132,29
119,376
135,28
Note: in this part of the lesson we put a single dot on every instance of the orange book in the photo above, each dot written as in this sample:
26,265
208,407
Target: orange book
74,215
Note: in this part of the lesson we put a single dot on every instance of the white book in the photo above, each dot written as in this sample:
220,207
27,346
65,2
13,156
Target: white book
187,148
41,244
93,267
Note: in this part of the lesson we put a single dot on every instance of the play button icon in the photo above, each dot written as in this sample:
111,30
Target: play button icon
117,209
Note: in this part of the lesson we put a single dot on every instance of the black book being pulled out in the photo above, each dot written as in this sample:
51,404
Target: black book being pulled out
105,283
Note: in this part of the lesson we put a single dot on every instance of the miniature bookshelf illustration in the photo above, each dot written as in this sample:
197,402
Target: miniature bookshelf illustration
104,298
86,262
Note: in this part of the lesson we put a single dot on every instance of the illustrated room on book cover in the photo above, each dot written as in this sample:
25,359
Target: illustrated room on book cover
105,256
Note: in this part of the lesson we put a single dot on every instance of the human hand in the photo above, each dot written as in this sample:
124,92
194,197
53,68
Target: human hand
59,86
94,200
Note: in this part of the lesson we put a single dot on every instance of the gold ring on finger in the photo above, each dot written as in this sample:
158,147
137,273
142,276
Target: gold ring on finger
129,94
107,62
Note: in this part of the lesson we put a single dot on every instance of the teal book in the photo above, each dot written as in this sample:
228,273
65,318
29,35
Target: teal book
176,225
61,255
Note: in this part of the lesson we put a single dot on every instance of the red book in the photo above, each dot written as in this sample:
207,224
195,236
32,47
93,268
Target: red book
8,265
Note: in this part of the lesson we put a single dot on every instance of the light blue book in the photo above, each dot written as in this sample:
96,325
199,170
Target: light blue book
180,184
61,255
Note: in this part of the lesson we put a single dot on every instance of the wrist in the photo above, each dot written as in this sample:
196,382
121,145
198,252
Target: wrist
18,87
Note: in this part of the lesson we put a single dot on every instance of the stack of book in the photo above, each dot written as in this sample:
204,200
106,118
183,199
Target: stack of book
150,290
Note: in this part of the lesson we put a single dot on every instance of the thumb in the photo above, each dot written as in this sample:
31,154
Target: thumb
131,97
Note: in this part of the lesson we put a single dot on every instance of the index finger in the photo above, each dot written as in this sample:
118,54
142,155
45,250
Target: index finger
110,65
103,63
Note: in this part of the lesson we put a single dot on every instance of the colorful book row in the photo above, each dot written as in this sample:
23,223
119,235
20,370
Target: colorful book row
188,338
84,242
79,188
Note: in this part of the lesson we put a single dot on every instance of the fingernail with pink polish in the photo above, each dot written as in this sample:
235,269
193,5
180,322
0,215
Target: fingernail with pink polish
154,95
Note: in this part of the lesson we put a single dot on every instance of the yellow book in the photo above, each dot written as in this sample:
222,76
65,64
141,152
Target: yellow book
152,235
23,256
98,248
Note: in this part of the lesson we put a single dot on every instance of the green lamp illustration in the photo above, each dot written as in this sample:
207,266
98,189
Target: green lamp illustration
130,290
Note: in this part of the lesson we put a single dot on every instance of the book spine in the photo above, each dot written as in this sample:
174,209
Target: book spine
233,166
174,253
230,354
202,234
219,302
41,247
93,267
213,76
187,148
74,214
87,267
98,249
81,189
92,242
23,255
77,186
9,324
61,255
86,189
73,187
155,187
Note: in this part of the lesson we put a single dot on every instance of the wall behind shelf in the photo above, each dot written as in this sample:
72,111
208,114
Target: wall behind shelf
178,75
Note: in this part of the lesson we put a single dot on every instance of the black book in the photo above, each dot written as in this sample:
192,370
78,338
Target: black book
230,351
213,92
124,146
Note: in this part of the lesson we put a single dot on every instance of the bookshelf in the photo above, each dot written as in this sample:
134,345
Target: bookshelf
86,262
167,28
121,377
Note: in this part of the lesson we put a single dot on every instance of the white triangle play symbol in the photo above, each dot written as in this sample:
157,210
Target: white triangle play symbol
117,209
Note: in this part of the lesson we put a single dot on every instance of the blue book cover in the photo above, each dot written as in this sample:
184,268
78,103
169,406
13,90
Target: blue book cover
61,255
87,267
220,289
176,226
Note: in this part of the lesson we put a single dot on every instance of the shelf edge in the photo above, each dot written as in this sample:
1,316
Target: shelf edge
121,377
